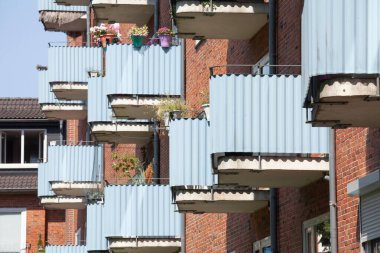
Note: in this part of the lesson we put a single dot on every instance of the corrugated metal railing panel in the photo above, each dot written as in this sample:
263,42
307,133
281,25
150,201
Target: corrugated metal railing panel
70,164
96,239
76,163
66,249
50,5
98,108
340,37
45,96
262,114
150,70
71,64
44,177
140,210
370,222
190,156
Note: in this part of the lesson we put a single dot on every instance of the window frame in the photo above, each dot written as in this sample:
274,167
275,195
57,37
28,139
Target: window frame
24,165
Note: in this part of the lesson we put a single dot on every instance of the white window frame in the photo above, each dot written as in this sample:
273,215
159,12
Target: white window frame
23,165
311,223
22,211
261,244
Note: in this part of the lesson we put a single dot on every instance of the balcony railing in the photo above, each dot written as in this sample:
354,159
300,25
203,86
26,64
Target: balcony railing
71,171
341,62
144,214
193,187
219,19
62,18
258,125
54,108
104,126
123,11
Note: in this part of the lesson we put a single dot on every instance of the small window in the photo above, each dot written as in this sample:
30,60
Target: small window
316,235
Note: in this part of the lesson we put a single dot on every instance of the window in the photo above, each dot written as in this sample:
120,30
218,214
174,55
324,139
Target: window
259,69
316,235
262,246
22,146
12,230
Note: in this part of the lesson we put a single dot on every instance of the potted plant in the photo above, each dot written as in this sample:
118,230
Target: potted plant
138,35
166,36
170,108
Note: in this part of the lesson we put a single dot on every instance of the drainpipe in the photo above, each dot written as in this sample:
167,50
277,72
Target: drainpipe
88,25
332,189
272,61
156,147
156,13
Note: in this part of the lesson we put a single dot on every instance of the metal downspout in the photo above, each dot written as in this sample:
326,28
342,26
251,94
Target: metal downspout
332,193
272,61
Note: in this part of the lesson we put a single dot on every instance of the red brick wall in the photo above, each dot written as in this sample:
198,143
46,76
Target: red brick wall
357,154
35,216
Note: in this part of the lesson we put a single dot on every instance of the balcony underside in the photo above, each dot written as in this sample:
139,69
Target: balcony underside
80,189
121,132
347,103
70,91
270,171
144,245
135,107
228,20
219,200
58,203
73,2
62,21
123,11
64,111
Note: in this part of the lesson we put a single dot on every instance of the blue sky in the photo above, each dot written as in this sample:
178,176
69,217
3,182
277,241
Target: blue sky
23,46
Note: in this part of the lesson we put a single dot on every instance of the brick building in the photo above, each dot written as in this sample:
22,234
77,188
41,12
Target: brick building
251,162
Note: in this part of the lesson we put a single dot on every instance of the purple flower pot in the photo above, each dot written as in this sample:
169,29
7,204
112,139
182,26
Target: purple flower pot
165,40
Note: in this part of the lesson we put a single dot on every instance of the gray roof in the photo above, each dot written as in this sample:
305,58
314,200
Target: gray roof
20,108
18,181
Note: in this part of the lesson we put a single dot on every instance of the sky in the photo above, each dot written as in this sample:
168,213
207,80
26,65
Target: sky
24,44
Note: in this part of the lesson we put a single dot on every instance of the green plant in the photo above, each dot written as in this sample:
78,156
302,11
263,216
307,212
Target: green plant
139,31
126,163
169,105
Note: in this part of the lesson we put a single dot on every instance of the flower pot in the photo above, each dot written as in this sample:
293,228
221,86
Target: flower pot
206,110
165,40
137,41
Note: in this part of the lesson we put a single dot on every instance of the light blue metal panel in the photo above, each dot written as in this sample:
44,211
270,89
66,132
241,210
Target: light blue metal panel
262,114
150,70
340,37
66,249
96,239
190,156
71,64
70,164
50,5
140,210
98,108
45,96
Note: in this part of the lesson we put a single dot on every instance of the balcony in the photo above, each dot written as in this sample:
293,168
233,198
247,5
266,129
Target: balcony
60,18
73,2
70,175
219,19
191,176
144,221
105,127
123,11
259,135
54,108
142,78
68,70
341,62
